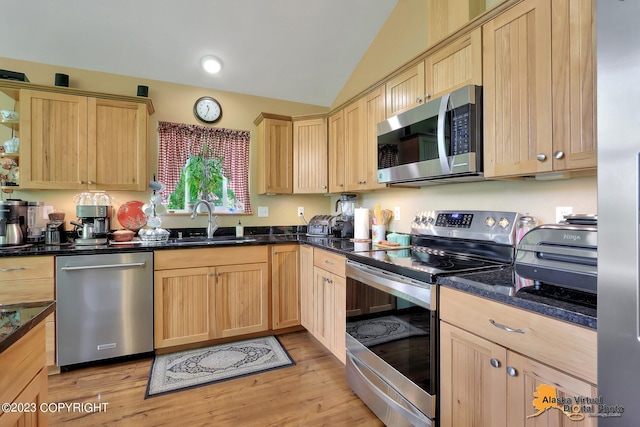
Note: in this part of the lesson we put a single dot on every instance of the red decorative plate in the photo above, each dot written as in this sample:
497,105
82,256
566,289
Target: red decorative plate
131,216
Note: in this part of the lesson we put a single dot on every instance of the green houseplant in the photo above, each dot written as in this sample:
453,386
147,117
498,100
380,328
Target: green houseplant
203,176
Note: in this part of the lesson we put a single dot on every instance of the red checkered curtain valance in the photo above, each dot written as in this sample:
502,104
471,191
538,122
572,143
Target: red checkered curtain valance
178,142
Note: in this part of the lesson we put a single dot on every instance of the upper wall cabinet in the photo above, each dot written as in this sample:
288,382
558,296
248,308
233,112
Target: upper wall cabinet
444,17
450,67
336,169
310,154
539,94
82,142
275,154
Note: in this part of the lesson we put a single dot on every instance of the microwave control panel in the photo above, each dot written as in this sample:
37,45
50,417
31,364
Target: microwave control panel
460,130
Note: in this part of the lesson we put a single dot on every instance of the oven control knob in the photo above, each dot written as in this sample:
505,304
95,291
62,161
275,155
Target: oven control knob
489,221
503,223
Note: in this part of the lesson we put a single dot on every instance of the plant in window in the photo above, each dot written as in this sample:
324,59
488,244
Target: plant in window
201,178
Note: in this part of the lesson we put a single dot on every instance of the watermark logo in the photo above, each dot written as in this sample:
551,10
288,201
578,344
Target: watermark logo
576,408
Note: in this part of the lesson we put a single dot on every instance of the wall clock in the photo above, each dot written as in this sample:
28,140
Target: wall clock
207,109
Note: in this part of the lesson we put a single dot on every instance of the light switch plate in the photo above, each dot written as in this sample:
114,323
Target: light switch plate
263,211
396,213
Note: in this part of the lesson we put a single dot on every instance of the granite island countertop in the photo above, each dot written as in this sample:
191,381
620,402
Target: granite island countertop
18,319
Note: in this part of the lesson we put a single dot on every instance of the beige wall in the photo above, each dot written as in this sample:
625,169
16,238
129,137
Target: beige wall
174,102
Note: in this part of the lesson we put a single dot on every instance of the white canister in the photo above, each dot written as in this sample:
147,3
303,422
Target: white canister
361,224
378,233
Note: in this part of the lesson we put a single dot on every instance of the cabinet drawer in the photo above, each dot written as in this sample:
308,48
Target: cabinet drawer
329,261
18,268
15,291
209,257
564,346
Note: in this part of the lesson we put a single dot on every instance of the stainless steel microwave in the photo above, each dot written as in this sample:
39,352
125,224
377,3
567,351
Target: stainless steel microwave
439,141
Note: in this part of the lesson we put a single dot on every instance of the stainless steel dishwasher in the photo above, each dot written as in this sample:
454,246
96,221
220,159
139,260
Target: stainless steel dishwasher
104,306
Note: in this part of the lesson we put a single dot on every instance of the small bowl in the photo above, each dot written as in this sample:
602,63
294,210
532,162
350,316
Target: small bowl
122,235
9,115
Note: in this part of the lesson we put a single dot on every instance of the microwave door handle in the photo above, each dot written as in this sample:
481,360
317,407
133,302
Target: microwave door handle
442,153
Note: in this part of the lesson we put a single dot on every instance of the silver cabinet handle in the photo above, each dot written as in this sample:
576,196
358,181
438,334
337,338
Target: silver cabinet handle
96,267
505,328
541,157
558,154
442,151
326,261
324,187
81,182
494,362
90,182
511,371
6,270
418,100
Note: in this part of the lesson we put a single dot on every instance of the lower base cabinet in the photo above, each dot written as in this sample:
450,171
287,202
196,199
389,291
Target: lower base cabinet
504,383
211,296
323,289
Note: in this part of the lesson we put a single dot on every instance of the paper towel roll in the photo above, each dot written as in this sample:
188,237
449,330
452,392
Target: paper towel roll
361,223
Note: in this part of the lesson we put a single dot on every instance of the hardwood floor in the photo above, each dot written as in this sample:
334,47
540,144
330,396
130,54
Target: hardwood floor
314,392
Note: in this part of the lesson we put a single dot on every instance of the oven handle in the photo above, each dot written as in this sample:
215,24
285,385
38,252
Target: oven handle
413,418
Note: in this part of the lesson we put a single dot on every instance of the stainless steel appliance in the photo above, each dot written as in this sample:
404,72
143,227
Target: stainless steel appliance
104,306
343,227
55,233
560,254
388,291
618,68
439,141
35,222
321,225
13,222
94,224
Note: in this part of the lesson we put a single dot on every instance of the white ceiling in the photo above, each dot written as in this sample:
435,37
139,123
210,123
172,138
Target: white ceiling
296,50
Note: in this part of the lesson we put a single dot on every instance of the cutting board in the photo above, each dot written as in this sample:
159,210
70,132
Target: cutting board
379,245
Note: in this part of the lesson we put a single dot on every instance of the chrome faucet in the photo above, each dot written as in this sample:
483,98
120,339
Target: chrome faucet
212,224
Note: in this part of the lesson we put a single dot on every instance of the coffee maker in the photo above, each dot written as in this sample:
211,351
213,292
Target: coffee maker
94,224
13,222
344,224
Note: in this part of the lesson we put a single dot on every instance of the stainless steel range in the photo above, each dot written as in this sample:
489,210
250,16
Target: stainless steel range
392,318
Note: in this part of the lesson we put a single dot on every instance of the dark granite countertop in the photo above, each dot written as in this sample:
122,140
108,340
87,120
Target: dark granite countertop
18,319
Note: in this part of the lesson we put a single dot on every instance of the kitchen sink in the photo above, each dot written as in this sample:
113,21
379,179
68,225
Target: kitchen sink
215,240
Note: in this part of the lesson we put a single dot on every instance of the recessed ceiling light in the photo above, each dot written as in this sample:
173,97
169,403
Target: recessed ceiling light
211,64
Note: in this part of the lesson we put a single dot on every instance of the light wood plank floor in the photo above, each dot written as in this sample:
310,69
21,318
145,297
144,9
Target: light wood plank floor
314,392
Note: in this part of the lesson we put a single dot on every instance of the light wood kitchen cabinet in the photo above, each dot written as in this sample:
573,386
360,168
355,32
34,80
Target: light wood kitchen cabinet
489,375
444,17
310,155
361,141
275,154
285,285
455,65
205,294
336,166
31,279
328,302
539,89
23,380
405,91
79,142
306,287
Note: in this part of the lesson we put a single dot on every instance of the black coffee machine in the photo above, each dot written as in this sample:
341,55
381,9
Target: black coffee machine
13,222
343,227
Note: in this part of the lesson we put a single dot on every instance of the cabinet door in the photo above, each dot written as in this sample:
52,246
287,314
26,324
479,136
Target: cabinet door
525,378
338,339
323,307
117,145
182,303
455,65
241,299
374,113
285,286
275,139
405,91
355,153
34,394
444,17
472,390
517,90
53,137
310,156
306,287
336,153
574,78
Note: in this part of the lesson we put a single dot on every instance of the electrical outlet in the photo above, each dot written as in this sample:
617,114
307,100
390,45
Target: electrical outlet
561,211
396,213
300,210
263,211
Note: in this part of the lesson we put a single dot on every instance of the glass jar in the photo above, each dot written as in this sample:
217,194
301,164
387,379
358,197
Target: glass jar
525,224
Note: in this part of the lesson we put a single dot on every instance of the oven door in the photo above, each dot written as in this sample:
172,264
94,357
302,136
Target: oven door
391,344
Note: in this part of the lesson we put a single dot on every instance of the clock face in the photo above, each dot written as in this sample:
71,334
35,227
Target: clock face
207,109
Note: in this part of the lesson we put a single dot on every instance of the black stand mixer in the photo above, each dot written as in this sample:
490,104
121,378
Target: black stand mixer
343,228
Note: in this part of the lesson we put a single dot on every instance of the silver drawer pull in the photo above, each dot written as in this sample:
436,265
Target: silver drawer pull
326,261
494,362
95,267
505,328
6,270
